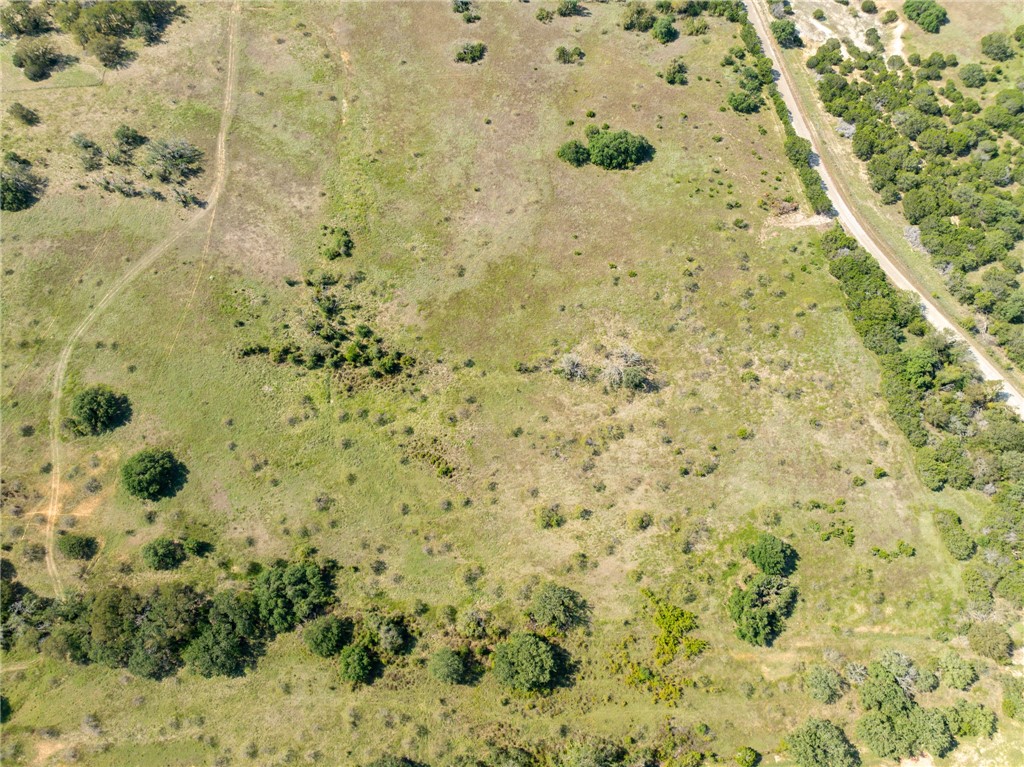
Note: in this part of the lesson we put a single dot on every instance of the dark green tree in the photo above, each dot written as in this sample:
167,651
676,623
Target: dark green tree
163,553
820,743
447,666
558,608
75,546
152,474
98,409
525,663
326,635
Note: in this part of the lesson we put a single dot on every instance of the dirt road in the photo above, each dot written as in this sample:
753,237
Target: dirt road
143,263
900,275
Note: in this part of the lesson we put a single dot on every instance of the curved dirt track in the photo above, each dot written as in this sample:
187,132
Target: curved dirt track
900,275
146,260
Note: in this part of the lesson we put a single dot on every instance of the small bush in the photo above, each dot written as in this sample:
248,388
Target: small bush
558,608
23,114
772,556
544,15
525,663
747,757
356,664
326,636
152,474
889,17
447,666
98,409
568,8
869,6
575,153
637,17
19,186
786,33
470,53
549,517
675,72
954,537
565,55
956,672
163,554
990,640
824,684
77,546
664,31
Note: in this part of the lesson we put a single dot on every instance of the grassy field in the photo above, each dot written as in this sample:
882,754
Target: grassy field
475,249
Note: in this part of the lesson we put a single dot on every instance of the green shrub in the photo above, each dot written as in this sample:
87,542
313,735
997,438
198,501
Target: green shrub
889,17
618,150
997,46
820,743
565,55
163,554
973,75
558,608
326,635
549,517
175,161
675,72
356,664
990,640
470,53
760,609
869,6
36,56
291,592
824,684
544,15
664,31
447,666
786,33
575,153
525,663
567,8
637,17
744,103
772,556
152,474
23,114
956,672
98,409
1013,697
23,18
967,719
747,757
75,546
19,186
954,537
927,14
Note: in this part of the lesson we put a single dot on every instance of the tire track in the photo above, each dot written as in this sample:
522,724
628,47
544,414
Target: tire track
147,259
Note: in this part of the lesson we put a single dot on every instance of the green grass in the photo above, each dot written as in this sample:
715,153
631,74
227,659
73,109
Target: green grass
477,244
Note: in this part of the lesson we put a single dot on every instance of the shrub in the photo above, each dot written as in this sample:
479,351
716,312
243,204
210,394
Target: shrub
356,664
291,592
772,555
19,186
387,760
98,409
967,719
549,517
23,114
695,27
36,56
760,610
664,31
868,6
525,663
1013,697
565,55
824,684
956,672
22,18
747,757
675,72
109,50
889,17
744,103
326,635
997,46
447,666
152,474
470,53
927,14
175,161
990,640
558,608
786,33
820,743
163,554
574,152
973,75
619,150
954,537
567,8
128,138
637,17
544,15
77,546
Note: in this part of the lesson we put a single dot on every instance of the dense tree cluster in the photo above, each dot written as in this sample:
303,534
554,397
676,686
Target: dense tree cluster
100,28
956,168
964,437
760,608
612,150
927,14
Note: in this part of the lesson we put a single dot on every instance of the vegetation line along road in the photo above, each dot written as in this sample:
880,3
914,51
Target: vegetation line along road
890,263
60,372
